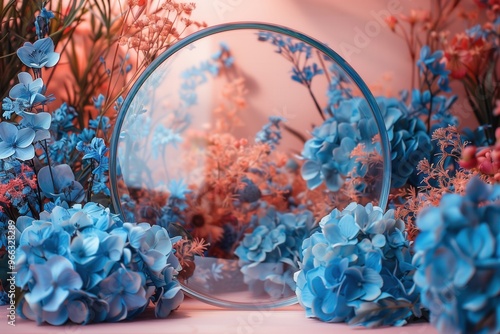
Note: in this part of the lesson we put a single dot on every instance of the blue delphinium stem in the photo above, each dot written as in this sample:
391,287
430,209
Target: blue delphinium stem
308,86
295,133
288,50
429,87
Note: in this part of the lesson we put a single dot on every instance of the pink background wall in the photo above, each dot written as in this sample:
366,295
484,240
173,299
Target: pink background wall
354,29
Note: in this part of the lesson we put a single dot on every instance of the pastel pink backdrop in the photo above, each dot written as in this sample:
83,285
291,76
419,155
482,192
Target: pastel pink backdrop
379,58
354,29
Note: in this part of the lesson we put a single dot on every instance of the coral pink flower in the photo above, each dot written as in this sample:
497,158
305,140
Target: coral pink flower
467,55
468,160
391,22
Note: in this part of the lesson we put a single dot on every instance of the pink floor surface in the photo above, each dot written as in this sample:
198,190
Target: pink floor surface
196,317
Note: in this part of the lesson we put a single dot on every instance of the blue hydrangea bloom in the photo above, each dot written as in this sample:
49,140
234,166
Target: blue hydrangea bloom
327,153
79,307
358,263
123,291
53,281
410,144
268,254
171,295
457,256
408,138
83,264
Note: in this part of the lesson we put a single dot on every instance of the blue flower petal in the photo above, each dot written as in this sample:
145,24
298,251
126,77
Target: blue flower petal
6,150
348,227
56,318
26,153
310,170
78,312
379,240
56,299
8,132
25,137
43,284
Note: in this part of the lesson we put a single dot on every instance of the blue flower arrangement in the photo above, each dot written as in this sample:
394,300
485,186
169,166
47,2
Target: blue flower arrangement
75,260
268,255
457,254
85,265
328,158
79,262
357,267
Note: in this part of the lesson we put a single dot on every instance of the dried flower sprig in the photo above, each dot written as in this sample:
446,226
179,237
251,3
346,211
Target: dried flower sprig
125,38
185,251
438,179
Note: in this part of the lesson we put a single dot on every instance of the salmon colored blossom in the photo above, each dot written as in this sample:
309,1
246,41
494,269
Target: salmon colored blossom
466,55
391,21
416,16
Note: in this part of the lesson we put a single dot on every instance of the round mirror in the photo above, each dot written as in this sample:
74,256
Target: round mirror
239,139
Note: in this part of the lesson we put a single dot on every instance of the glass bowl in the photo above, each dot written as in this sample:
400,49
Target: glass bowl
238,140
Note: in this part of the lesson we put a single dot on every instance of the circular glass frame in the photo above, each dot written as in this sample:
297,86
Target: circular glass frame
257,26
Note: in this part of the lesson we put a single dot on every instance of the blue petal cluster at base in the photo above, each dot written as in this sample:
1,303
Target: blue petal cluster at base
357,269
83,264
458,254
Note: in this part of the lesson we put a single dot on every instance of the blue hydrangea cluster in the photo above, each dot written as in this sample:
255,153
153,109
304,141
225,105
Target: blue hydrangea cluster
327,154
409,139
458,255
268,255
357,269
83,264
